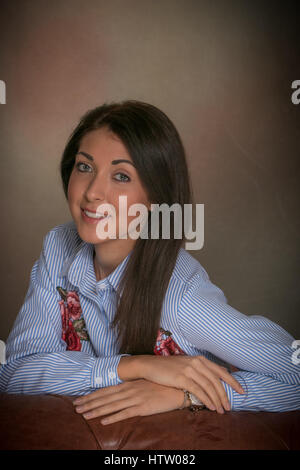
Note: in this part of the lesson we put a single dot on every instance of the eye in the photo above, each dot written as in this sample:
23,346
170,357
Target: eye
79,167
122,180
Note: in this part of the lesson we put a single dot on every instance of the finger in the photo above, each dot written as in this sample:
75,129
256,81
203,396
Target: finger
124,414
214,388
110,408
227,377
221,392
233,383
193,385
102,392
205,380
100,402
205,391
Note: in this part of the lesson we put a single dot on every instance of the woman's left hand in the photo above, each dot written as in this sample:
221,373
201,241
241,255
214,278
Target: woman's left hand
128,399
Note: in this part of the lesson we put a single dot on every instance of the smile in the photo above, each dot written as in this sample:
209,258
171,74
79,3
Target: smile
92,217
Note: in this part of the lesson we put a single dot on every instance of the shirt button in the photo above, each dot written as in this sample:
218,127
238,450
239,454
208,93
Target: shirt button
98,380
111,375
101,287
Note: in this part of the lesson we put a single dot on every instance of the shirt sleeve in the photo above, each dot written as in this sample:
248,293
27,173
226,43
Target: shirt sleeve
36,357
258,347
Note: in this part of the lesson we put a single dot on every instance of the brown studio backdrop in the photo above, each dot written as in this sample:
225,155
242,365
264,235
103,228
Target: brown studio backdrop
222,71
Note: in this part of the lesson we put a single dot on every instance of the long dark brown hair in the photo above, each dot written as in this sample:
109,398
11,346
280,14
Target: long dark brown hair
159,157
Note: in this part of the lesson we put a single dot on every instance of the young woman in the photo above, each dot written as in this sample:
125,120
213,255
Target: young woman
134,326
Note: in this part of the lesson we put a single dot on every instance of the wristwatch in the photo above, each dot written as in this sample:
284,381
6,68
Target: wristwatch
196,405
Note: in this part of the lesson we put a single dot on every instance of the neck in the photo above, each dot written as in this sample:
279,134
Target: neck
108,255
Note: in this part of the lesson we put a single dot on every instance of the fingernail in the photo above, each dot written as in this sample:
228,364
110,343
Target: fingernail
221,411
79,409
212,407
77,401
227,407
87,415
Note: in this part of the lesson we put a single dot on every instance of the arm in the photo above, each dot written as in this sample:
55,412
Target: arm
135,398
256,345
37,359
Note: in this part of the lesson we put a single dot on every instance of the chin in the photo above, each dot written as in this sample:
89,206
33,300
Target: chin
88,235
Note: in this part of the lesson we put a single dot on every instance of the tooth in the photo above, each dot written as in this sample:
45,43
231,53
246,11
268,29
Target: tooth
94,216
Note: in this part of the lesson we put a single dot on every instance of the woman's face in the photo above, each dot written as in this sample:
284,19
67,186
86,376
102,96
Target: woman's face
97,178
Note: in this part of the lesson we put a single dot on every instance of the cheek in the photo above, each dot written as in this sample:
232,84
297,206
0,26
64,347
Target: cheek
74,189
133,196
137,198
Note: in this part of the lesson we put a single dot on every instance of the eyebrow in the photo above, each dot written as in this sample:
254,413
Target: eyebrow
114,162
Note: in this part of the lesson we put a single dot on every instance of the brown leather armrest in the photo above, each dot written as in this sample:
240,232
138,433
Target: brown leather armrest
50,422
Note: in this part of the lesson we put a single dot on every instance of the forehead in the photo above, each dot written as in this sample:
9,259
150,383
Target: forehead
103,143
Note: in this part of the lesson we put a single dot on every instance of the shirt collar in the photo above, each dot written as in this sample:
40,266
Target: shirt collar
115,276
79,269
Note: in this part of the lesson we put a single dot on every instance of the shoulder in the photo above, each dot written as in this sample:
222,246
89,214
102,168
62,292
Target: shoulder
190,292
63,236
187,268
194,279
61,243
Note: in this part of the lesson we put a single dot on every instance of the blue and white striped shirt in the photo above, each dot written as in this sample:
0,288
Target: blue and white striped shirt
194,310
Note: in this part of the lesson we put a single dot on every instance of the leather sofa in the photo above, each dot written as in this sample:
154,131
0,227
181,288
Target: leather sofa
50,422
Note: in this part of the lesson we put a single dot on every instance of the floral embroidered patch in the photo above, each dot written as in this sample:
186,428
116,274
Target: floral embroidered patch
165,345
73,326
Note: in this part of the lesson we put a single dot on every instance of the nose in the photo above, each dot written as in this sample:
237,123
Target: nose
96,189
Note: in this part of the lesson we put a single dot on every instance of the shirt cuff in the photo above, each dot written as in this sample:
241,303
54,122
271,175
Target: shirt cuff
236,399
105,371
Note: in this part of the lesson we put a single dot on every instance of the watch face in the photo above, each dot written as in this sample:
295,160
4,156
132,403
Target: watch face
195,401
197,408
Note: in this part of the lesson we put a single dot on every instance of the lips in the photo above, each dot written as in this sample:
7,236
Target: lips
90,219
89,210
99,214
